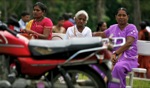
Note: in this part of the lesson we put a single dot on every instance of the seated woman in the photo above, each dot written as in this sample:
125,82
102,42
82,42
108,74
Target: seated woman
80,29
58,28
101,26
40,26
144,61
124,57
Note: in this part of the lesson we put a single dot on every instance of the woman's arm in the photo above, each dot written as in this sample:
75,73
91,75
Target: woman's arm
126,46
118,52
45,34
63,30
140,35
102,34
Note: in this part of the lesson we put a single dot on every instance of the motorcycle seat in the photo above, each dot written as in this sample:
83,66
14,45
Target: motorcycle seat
62,48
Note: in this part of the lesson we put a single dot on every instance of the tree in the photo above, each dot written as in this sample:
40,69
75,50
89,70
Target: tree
97,9
100,9
29,5
137,13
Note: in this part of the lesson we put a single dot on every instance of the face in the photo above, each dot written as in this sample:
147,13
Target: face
80,20
122,17
104,26
37,12
26,18
60,22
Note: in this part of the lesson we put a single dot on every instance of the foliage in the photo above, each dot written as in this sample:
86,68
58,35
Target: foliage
145,9
57,7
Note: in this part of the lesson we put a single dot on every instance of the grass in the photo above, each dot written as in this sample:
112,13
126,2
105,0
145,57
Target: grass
140,83
81,76
137,82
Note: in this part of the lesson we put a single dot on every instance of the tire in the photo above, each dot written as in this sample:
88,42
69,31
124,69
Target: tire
84,77
4,67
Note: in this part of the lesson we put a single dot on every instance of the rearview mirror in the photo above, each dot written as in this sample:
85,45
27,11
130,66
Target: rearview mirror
3,27
13,21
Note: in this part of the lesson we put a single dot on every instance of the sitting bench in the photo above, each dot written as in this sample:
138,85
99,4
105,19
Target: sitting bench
131,75
143,49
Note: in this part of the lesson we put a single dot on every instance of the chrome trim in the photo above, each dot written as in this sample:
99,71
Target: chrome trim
1,40
11,45
104,40
84,50
6,42
41,65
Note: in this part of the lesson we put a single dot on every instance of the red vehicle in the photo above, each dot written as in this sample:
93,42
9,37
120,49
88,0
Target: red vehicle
75,63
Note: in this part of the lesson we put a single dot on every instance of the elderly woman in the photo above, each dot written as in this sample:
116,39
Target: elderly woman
40,26
128,52
79,30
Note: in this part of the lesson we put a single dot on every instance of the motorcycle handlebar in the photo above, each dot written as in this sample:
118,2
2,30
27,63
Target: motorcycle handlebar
4,27
114,40
105,41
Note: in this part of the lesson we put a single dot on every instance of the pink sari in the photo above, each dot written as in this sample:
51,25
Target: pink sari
40,26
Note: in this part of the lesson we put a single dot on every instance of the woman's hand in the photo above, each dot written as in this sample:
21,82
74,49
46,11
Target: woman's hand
100,34
94,34
114,59
29,31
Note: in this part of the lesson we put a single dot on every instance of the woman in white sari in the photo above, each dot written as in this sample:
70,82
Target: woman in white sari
79,30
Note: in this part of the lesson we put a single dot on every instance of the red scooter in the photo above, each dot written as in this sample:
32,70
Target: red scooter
76,63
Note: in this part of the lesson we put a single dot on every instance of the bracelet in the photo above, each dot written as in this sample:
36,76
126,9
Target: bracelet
114,52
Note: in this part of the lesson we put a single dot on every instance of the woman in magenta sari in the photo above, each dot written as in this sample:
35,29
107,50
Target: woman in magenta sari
127,53
40,26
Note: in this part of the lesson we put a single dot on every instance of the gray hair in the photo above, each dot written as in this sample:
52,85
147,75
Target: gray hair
82,12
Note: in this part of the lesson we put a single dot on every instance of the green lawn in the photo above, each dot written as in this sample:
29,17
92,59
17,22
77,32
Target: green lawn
140,83
137,82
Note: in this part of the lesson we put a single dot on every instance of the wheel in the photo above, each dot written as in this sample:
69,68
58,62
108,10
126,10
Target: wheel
82,77
3,67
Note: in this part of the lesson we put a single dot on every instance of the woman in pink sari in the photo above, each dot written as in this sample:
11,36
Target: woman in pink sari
40,26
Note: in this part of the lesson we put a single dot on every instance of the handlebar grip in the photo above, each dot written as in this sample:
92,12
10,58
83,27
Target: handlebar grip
12,32
114,40
4,27
119,38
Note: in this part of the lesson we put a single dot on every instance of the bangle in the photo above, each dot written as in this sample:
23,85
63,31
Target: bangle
115,53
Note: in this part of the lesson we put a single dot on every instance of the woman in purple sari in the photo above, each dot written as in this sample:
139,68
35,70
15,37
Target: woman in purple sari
128,56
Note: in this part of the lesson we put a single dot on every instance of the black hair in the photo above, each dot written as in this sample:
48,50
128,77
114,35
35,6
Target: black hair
24,13
99,25
146,33
13,20
147,23
60,18
41,6
14,15
122,8
65,16
143,25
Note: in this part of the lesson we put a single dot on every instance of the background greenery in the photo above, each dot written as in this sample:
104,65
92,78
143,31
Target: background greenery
97,9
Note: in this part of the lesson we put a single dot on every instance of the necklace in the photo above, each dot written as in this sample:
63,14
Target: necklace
39,19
